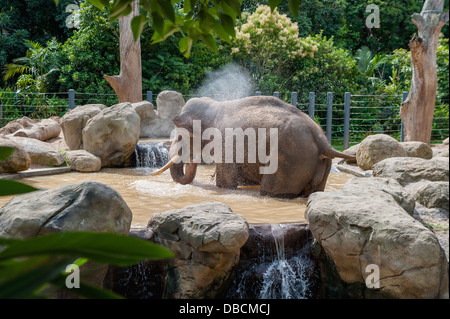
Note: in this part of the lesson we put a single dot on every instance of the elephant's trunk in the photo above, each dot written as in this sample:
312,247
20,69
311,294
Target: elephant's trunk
182,176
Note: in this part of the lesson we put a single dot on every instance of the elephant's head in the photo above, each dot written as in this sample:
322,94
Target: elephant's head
181,163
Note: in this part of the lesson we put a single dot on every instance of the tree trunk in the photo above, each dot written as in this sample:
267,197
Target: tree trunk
128,84
418,109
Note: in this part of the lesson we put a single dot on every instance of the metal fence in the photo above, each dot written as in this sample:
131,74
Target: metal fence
346,121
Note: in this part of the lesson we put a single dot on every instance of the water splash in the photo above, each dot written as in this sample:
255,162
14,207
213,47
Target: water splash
229,83
286,278
151,155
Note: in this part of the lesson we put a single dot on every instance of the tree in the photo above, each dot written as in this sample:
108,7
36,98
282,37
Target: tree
128,84
418,109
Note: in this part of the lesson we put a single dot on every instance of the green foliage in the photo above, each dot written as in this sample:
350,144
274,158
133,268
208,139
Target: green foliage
91,52
28,266
35,67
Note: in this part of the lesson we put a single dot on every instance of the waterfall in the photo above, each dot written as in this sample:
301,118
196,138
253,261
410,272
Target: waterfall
278,276
151,155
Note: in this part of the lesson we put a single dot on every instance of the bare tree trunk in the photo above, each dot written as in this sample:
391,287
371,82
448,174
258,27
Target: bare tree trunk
128,84
418,109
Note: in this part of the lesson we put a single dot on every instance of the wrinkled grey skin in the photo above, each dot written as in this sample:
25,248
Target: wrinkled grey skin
304,154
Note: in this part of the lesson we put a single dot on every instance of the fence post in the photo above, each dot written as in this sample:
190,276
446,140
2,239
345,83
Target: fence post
347,120
329,114
257,93
276,94
150,96
294,98
71,99
312,102
402,129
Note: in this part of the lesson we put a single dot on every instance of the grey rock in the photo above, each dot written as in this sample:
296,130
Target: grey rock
18,161
418,149
376,148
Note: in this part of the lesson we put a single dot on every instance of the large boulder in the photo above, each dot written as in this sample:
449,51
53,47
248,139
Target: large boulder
86,206
18,161
74,121
112,134
83,161
412,169
144,109
433,195
376,148
41,153
361,231
206,240
159,123
417,149
17,124
42,130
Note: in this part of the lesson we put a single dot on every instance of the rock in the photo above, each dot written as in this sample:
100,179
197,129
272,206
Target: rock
434,195
351,151
43,130
74,121
144,109
18,161
376,148
169,104
16,125
412,169
446,141
206,240
384,187
418,149
41,153
83,161
86,206
112,134
440,152
159,124
378,233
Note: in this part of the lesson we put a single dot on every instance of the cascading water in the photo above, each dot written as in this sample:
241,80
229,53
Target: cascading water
278,277
151,155
286,278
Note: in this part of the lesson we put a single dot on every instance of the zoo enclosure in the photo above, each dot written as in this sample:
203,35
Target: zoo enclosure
346,121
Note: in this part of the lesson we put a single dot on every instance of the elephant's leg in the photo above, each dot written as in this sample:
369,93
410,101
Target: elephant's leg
226,176
319,180
287,182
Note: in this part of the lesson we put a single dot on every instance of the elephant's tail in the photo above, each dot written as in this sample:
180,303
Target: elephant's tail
330,152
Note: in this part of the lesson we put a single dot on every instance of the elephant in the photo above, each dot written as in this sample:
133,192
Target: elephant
303,153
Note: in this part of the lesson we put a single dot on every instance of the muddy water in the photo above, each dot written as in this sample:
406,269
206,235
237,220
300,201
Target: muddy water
147,195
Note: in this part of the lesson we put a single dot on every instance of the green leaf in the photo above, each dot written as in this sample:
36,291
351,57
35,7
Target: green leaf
293,7
167,10
108,248
98,4
228,24
85,290
11,187
121,8
185,45
210,42
188,5
158,22
274,3
5,152
137,25
220,31
34,273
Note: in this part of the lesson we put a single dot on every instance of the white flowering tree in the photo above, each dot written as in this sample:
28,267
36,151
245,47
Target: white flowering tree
267,41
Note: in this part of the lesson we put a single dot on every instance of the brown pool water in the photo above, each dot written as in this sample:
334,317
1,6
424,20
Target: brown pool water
147,195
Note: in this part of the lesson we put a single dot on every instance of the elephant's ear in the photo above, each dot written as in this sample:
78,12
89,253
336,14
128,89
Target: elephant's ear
183,121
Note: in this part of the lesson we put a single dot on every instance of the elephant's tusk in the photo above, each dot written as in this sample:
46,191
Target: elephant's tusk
167,166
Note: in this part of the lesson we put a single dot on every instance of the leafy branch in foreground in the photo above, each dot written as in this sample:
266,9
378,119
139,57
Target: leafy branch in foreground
195,19
27,266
